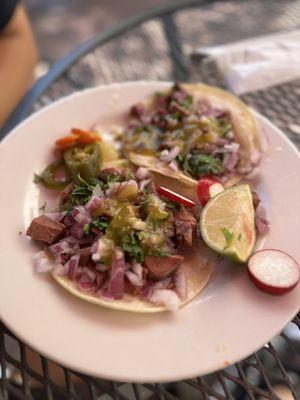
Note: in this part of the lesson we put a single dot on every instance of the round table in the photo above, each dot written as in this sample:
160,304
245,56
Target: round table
158,45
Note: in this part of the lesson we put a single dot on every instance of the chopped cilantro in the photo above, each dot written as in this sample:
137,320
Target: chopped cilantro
176,115
224,126
112,178
201,164
131,245
187,102
37,178
82,192
100,223
158,253
228,237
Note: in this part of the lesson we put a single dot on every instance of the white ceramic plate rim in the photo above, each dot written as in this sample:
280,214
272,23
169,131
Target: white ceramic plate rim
150,377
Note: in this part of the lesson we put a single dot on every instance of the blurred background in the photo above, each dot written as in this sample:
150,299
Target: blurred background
153,51
61,24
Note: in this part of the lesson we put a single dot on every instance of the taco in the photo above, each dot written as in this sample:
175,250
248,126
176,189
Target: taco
192,130
115,242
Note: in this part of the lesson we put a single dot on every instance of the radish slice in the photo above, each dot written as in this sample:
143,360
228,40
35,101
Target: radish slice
177,198
273,271
208,187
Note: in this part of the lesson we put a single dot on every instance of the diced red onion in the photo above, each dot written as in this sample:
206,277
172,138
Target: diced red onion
85,286
261,224
73,266
93,203
97,249
112,189
62,247
162,284
91,274
55,216
116,286
71,240
221,141
60,269
146,291
76,231
100,280
230,161
135,275
62,258
165,297
174,165
81,215
134,279
144,183
169,155
142,173
180,283
213,112
42,263
66,193
233,146
137,268
98,191
69,220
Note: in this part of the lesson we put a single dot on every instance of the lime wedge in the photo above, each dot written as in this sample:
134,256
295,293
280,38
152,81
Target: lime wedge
227,223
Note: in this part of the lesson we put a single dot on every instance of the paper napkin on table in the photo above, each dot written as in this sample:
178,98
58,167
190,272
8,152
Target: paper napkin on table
257,63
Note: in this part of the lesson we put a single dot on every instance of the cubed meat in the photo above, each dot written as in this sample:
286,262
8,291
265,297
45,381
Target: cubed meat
160,267
185,229
44,229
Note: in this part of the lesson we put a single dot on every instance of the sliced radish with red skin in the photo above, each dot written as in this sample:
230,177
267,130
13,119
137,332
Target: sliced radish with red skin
177,198
208,187
273,271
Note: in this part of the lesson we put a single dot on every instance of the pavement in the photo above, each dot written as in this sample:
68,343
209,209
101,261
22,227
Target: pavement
59,25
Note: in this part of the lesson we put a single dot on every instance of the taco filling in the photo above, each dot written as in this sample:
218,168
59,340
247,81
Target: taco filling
189,131
113,235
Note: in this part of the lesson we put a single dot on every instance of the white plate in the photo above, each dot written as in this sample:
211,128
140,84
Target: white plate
230,319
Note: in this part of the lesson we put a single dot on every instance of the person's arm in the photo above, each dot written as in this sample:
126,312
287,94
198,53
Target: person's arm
18,56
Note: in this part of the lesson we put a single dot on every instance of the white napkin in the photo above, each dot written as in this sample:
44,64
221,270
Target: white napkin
257,63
